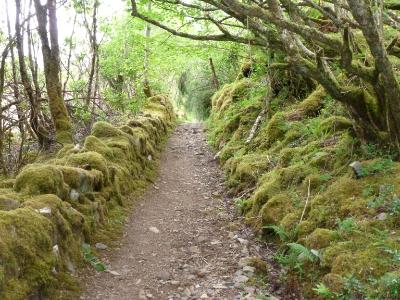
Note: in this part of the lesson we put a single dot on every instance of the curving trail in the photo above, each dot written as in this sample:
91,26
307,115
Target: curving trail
182,240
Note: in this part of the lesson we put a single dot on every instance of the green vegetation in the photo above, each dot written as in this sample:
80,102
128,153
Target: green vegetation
334,228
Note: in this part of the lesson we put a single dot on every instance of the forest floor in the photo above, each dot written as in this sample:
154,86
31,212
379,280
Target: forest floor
183,239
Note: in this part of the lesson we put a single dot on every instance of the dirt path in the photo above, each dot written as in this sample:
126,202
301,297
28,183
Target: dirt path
182,240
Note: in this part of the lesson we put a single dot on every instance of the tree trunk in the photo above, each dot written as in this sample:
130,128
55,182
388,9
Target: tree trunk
37,127
95,46
214,74
146,83
46,14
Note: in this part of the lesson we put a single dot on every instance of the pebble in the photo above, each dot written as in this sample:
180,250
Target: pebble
154,229
164,275
101,246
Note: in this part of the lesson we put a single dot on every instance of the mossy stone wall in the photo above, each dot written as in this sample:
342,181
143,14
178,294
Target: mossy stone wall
51,208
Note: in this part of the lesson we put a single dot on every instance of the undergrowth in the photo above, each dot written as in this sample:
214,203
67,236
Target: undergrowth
337,229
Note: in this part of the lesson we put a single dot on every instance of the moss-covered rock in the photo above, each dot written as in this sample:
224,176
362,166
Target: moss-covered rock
38,179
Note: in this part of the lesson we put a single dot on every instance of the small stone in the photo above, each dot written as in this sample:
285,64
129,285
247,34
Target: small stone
74,195
187,292
219,286
357,168
201,273
149,296
56,250
150,158
215,242
204,296
46,211
242,241
202,239
241,279
154,229
249,269
164,275
101,246
175,282
142,295
382,216
194,249
115,273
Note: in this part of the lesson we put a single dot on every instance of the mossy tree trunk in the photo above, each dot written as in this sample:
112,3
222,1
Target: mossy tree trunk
2,75
46,15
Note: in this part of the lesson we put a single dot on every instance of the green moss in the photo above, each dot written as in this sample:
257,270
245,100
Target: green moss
366,263
311,106
273,131
89,161
276,208
94,144
334,282
295,174
336,124
321,238
41,179
26,252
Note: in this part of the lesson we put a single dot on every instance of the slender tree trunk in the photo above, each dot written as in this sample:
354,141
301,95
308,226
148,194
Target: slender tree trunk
146,83
15,89
47,15
214,74
69,57
2,76
95,46
37,127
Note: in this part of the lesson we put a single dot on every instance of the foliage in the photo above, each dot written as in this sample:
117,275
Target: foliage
90,258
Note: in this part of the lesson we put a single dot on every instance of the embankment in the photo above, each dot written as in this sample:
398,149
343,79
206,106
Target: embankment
338,230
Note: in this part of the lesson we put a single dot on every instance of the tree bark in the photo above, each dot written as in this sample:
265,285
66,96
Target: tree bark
214,74
47,15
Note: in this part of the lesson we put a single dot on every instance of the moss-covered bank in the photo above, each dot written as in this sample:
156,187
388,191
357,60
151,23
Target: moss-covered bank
347,242
50,209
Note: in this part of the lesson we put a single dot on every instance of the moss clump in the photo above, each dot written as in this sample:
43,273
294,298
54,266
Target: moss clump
269,187
88,161
41,179
312,105
336,124
94,144
321,238
104,129
26,253
82,180
334,282
366,263
274,130
276,208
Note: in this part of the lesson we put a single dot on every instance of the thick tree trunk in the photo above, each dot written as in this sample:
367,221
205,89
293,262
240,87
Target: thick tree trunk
46,14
